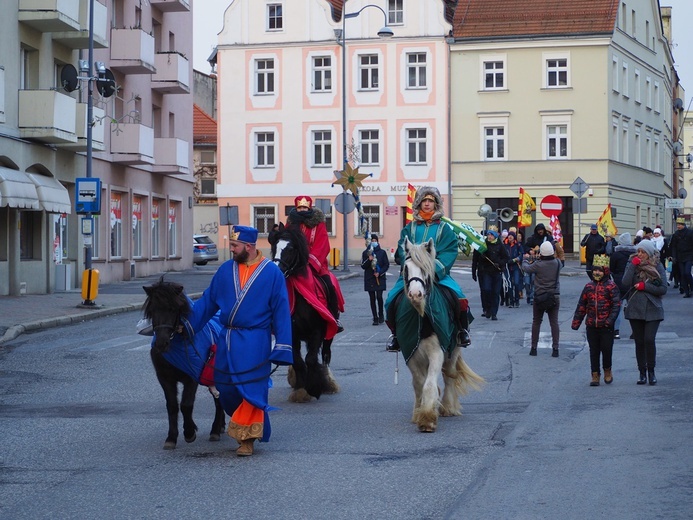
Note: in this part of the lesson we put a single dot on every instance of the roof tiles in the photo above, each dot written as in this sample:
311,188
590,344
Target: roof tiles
204,127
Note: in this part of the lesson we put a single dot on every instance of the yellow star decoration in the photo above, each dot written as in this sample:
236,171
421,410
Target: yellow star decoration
351,179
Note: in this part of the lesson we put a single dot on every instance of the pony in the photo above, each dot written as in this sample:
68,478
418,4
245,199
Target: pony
429,359
166,306
310,320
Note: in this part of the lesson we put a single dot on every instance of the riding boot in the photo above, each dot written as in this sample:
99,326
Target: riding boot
651,376
643,378
463,337
332,304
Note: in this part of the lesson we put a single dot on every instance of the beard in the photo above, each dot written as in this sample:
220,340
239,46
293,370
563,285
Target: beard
241,257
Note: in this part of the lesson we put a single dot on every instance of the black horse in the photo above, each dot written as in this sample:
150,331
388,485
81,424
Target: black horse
165,306
308,377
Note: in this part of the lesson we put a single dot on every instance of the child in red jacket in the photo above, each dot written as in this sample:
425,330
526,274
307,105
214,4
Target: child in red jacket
599,302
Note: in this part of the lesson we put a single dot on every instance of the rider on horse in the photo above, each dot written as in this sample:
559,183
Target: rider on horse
311,221
426,224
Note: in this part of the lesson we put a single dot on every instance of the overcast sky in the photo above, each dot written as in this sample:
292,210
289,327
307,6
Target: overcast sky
208,21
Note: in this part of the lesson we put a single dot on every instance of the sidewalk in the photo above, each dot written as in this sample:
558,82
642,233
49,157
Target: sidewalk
20,314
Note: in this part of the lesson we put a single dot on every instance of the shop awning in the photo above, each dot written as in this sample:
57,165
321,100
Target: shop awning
17,190
52,196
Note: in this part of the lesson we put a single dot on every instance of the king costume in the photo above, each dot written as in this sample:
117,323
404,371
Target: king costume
253,304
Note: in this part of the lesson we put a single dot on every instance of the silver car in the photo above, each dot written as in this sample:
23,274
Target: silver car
204,250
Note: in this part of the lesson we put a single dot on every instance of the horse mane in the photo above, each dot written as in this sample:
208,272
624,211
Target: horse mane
297,239
165,296
425,260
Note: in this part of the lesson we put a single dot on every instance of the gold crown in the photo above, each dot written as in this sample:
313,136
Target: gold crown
600,261
303,202
681,220
234,234
493,227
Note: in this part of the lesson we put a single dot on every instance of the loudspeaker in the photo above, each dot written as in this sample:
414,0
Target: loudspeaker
506,214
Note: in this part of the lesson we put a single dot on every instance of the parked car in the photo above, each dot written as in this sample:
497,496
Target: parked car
204,250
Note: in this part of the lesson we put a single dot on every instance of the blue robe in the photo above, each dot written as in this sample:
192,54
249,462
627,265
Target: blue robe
248,316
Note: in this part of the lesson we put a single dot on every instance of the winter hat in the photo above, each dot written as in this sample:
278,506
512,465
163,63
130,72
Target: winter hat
593,226
546,249
640,233
492,233
504,233
512,234
657,231
625,240
647,246
374,236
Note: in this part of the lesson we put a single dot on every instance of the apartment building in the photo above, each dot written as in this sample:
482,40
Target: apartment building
545,92
141,140
283,96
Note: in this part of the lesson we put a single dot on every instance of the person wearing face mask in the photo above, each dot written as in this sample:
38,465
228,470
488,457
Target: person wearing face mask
488,267
599,306
375,263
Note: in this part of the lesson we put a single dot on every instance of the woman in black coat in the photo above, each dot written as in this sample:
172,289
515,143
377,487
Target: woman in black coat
375,264
617,265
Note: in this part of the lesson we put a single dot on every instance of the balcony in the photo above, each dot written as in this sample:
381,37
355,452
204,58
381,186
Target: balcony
97,131
171,6
80,39
172,73
47,116
171,156
49,15
132,143
132,51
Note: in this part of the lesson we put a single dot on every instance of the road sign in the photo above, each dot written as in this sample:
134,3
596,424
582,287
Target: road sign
579,187
673,203
551,206
344,203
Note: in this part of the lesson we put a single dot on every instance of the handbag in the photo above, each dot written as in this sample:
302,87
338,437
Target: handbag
547,300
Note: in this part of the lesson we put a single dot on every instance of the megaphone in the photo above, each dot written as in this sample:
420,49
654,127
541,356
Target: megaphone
485,211
506,214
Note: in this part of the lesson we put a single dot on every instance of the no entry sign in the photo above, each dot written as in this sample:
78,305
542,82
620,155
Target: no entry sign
551,206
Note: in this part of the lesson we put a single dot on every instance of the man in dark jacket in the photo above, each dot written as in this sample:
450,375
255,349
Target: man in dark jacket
594,244
375,264
681,249
489,267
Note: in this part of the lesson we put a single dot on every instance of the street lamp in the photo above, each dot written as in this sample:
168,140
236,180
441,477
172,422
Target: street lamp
384,32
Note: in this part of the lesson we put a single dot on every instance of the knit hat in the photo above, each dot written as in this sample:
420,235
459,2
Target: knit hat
512,234
657,231
625,239
546,249
640,233
647,246
493,233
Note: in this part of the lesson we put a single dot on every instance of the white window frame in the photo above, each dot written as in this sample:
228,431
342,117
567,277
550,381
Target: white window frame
615,137
205,159
657,105
156,227
493,72
2,94
549,69
638,87
648,92
371,70
419,70
496,120
264,145
369,140
369,215
116,227
614,73
322,148
268,219
419,142
321,72
205,183
264,77
624,80
637,145
559,119
625,149
172,228
276,6
648,149
555,134
395,12
137,227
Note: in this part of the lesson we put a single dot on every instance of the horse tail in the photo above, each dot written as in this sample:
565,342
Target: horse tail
467,378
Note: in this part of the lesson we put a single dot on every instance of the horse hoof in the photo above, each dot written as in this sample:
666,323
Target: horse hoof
299,396
191,439
426,428
170,445
214,437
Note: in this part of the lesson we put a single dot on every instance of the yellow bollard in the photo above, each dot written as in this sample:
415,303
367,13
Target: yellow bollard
90,285
334,257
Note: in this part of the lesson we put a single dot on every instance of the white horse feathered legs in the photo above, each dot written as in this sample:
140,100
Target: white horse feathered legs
429,357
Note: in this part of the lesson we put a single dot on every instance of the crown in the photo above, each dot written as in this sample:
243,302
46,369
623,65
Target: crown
493,227
681,220
303,202
600,261
234,234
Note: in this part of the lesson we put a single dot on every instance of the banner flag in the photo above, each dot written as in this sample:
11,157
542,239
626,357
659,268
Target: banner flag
605,223
468,238
556,230
524,209
411,193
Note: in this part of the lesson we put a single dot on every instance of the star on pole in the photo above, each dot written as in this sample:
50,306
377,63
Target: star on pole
350,179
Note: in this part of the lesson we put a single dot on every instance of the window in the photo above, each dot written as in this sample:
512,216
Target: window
648,92
96,238
637,86
116,225
557,145
208,187
648,150
60,232
136,227
624,80
172,230
2,94
208,157
614,137
263,219
329,221
624,17
30,235
416,146
264,76
274,17
638,147
370,146
368,72
322,74
557,72
614,74
322,148
494,139
264,149
156,229
656,96
372,219
28,68
632,23
494,75
416,70
395,12
624,144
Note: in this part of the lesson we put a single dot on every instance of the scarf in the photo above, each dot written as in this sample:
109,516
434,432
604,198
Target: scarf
647,271
426,216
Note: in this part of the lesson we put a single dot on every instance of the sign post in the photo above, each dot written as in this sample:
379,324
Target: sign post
579,187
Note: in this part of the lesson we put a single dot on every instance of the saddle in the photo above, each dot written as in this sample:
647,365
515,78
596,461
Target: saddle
313,290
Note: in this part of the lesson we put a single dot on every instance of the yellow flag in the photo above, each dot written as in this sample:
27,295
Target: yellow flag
605,223
524,209
411,193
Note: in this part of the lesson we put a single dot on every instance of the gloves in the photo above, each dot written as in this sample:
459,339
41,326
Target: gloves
474,276
640,286
636,260
575,325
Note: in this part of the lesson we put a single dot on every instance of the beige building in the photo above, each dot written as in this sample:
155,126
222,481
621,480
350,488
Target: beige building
544,93
141,140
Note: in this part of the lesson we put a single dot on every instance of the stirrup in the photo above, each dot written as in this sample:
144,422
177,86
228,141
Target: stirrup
340,327
463,338
392,344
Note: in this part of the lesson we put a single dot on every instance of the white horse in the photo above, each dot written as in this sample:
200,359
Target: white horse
429,359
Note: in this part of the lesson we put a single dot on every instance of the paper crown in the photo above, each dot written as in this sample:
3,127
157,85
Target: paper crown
243,234
303,201
681,220
493,227
600,261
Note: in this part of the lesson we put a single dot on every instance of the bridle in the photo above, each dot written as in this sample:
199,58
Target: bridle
286,267
407,281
